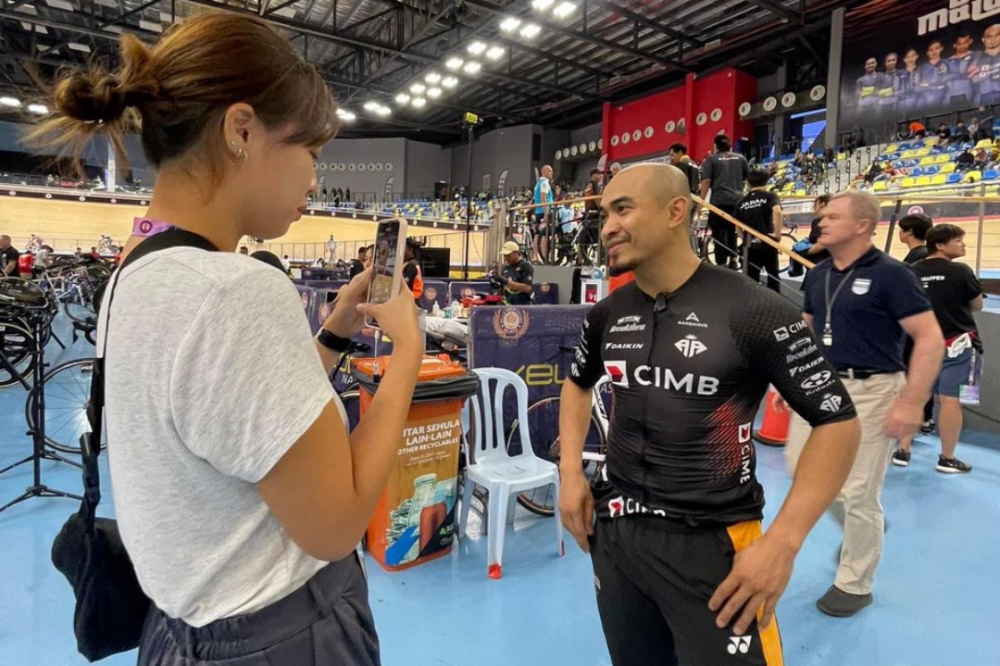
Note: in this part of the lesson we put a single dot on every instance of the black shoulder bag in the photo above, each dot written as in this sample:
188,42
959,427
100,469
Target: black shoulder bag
110,605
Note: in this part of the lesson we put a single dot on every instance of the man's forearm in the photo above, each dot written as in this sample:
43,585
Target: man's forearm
925,365
574,420
519,287
821,472
705,186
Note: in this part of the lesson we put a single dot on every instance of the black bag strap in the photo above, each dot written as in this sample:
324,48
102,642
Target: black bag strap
90,442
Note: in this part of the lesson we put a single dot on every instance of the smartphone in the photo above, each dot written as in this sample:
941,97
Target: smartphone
387,268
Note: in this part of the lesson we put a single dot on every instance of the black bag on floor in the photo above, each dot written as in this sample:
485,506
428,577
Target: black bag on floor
110,604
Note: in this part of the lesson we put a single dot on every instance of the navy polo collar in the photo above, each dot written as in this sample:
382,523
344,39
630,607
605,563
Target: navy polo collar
867,259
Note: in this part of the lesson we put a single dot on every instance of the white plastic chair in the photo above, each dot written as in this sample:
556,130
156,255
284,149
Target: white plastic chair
490,465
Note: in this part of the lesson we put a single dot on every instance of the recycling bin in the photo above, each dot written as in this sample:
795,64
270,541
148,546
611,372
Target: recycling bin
415,519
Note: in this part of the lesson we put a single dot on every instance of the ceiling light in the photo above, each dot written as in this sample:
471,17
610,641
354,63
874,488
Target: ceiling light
346,116
40,109
564,9
150,26
418,102
371,105
27,9
75,46
454,63
434,93
383,111
402,98
495,53
418,88
433,77
449,82
476,48
510,24
472,67
60,4
530,31
542,5
12,102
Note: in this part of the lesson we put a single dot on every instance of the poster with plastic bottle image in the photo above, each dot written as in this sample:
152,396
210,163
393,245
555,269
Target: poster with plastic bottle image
419,517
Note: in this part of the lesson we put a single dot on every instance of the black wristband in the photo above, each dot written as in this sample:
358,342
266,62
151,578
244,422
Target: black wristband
333,342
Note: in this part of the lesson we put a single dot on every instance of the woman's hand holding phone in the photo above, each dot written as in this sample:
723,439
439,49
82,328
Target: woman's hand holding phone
345,320
397,317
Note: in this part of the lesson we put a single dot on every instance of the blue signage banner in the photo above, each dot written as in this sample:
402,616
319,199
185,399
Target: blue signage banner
435,291
528,341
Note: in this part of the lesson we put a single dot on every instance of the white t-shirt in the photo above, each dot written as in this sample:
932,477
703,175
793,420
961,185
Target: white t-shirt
212,375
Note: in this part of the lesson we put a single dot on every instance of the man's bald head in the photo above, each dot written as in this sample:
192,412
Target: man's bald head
661,182
547,171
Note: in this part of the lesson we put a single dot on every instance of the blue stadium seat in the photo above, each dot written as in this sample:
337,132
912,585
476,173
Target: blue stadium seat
933,170
917,171
954,178
937,150
906,145
991,174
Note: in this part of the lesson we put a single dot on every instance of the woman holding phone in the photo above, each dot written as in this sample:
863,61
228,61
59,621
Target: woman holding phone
240,495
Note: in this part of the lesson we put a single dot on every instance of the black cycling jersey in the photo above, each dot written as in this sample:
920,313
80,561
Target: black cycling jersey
688,372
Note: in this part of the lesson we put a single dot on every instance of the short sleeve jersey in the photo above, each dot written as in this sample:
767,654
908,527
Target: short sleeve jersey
688,370
756,210
727,171
524,273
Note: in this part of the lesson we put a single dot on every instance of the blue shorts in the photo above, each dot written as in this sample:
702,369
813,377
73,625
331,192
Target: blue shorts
956,371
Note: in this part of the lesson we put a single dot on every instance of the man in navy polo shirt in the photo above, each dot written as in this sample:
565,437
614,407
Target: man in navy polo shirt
862,304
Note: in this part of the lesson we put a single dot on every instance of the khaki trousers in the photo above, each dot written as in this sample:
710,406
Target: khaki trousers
858,506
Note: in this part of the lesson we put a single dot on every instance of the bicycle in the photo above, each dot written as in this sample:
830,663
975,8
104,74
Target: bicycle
107,245
543,430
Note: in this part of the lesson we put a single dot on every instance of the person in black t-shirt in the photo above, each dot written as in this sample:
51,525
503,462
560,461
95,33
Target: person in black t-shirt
761,211
358,264
9,258
517,276
724,173
955,292
913,230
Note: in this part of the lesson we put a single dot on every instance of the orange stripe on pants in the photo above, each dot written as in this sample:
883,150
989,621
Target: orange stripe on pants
742,535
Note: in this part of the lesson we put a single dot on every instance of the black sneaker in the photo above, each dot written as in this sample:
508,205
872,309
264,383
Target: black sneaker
952,466
927,427
901,458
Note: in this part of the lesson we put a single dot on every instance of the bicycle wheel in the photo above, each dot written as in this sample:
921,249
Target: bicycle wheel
543,430
80,308
18,346
67,396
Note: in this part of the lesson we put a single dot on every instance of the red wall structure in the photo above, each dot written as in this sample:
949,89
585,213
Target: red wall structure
650,125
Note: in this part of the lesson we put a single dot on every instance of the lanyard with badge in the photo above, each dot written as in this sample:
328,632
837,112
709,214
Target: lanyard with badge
828,322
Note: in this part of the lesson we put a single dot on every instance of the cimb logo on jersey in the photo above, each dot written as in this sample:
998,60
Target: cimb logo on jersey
662,378
786,332
626,506
628,324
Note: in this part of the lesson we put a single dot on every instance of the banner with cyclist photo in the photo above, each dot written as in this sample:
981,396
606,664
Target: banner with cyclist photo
909,60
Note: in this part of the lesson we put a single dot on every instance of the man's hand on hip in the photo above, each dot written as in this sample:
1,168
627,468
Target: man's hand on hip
759,577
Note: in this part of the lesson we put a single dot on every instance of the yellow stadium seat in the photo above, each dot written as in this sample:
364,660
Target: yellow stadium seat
939,179
892,147
973,177
948,167
908,181
930,140
922,152
923,181
907,154
929,160
943,158
841,156
984,143
880,186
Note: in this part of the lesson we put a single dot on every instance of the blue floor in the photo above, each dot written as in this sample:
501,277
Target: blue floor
933,606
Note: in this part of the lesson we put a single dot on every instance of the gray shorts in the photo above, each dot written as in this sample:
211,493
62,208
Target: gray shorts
326,622
957,371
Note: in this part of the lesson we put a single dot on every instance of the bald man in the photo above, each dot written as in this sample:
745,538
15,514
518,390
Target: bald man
682,568
543,195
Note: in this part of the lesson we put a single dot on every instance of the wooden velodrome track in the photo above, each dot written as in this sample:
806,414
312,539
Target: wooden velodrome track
66,225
